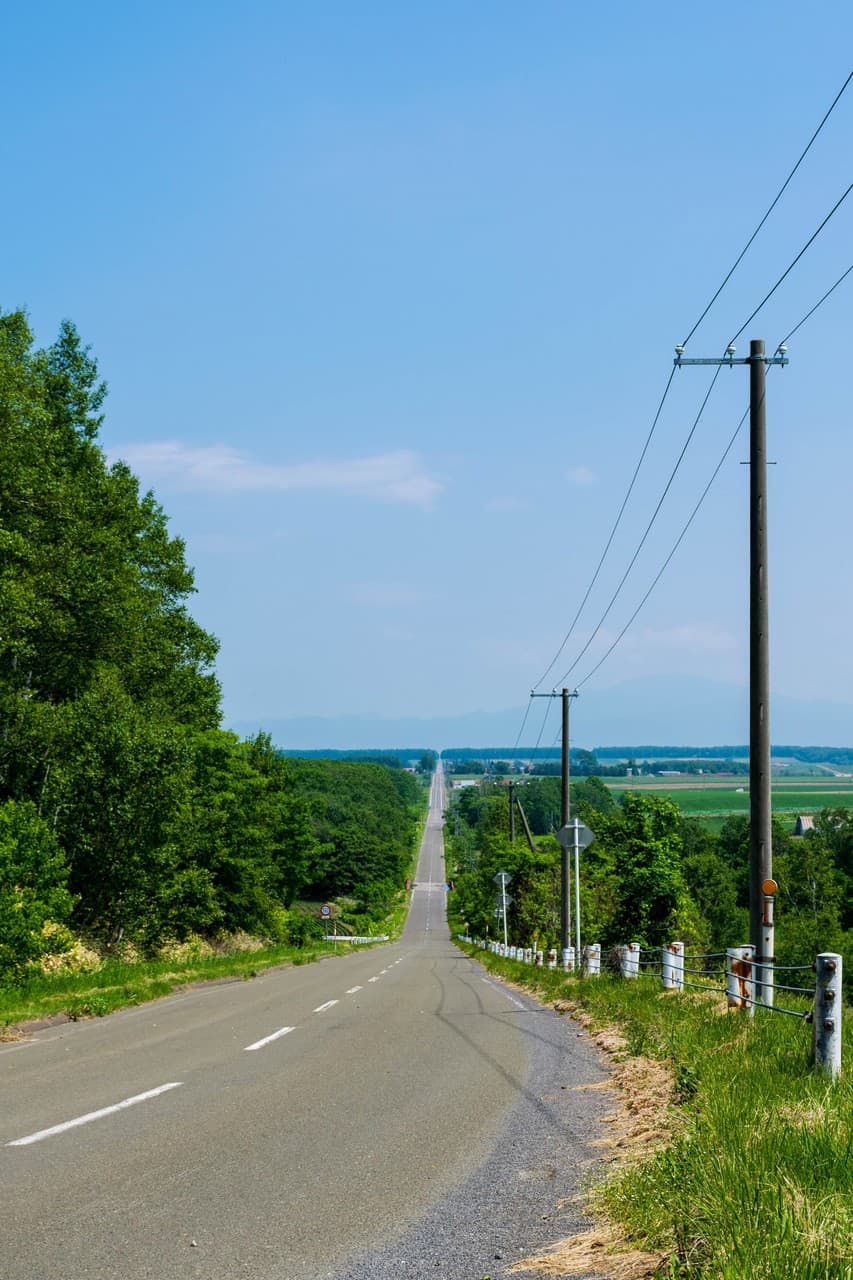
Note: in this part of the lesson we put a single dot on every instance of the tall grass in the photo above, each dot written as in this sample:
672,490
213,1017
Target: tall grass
757,1180
117,984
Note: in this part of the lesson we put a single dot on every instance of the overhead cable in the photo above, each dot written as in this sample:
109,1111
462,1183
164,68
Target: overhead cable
704,494
648,529
791,266
616,524
678,542
809,314
770,209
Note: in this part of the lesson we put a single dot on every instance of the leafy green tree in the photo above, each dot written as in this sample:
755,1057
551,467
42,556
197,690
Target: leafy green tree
650,898
713,888
808,903
33,887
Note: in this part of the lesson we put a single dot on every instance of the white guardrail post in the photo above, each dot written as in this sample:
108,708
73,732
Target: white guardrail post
739,984
629,954
592,956
828,1003
672,966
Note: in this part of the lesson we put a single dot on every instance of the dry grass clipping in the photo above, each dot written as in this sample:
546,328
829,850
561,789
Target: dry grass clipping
600,1250
642,1119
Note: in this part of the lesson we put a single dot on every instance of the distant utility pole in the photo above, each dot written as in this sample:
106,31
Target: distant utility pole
760,826
565,868
512,813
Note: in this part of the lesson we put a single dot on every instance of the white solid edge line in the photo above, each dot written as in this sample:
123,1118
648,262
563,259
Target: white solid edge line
321,1008
259,1044
94,1115
353,990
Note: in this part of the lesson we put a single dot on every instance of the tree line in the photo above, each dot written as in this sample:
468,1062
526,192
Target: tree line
652,874
126,812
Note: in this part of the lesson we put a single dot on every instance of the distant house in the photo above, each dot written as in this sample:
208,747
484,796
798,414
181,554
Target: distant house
804,823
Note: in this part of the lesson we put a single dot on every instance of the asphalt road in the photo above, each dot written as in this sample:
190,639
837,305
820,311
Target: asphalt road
310,1123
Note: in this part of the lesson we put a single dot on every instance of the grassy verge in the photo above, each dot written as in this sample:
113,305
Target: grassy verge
118,984
754,1182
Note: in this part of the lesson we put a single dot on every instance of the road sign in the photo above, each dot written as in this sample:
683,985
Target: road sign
503,899
502,878
566,835
326,910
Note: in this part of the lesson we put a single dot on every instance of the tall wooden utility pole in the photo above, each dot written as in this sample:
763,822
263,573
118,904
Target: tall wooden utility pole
760,827
565,806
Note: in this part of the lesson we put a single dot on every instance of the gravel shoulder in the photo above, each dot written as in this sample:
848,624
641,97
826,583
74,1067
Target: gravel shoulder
529,1191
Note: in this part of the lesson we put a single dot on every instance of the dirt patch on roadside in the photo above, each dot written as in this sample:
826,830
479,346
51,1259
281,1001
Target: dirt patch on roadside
599,1251
641,1120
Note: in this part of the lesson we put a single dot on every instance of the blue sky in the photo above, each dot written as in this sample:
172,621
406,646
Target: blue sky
387,295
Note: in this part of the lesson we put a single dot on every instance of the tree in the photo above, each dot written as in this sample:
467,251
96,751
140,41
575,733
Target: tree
650,898
33,887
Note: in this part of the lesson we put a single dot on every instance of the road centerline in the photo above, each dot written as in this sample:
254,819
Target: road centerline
259,1044
321,1008
94,1115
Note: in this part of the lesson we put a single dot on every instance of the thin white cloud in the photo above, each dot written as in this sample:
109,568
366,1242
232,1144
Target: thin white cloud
389,477
582,475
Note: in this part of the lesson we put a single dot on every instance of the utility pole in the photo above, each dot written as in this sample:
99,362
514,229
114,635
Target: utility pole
760,804
512,813
565,865
760,826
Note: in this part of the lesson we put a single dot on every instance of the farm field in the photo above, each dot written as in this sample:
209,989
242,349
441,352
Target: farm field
718,799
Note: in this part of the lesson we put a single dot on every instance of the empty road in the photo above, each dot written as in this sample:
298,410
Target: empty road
390,1109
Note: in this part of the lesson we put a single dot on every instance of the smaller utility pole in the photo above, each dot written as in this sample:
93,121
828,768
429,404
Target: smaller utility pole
565,865
512,813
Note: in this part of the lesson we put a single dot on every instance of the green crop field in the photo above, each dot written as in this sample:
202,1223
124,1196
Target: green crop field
720,800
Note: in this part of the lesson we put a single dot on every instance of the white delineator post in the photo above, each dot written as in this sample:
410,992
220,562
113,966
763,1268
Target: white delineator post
739,983
764,972
592,956
828,1004
672,966
630,956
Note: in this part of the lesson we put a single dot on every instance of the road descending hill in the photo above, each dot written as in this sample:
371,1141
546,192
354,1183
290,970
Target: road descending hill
391,1112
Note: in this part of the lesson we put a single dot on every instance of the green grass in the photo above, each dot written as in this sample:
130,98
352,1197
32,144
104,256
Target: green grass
756,1182
118,984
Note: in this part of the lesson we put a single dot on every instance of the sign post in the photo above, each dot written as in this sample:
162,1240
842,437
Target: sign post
576,835
503,878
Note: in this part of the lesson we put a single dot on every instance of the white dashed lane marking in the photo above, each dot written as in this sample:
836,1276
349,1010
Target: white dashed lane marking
94,1115
321,1008
259,1044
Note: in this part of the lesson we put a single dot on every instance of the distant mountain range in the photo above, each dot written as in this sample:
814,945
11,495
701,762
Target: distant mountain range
660,709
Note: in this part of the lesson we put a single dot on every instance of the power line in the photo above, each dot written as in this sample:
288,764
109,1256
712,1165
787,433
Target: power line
770,209
633,480
704,494
616,524
678,542
790,268
809,314
648,529
725,281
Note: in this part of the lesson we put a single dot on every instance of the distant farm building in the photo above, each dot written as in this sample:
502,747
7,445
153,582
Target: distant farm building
804,823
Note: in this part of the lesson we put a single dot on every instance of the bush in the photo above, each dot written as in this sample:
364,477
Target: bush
33,891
